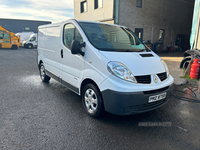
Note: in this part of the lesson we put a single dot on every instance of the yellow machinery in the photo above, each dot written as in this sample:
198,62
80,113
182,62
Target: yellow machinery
8,39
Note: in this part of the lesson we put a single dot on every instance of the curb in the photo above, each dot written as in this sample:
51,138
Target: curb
184,82
196,83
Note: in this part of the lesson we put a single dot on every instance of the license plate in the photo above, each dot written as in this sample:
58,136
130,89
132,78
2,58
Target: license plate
157,97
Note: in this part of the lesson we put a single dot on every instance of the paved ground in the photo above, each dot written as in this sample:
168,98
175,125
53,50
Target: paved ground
35,115
173,62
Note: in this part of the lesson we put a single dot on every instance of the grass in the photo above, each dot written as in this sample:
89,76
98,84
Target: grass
188,77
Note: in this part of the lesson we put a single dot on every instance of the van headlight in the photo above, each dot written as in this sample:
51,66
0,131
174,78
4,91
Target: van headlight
166,68
120,70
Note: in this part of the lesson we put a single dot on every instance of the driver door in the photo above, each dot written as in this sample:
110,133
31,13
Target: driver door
72,66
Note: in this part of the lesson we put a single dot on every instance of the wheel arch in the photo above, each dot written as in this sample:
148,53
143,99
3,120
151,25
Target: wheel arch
186,54
30,44
188,58
90,81
87,81
14,46
39,63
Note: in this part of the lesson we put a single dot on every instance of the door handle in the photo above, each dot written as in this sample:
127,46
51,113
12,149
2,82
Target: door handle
61,53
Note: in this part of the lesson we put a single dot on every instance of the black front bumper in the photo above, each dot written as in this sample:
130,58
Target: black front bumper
123,103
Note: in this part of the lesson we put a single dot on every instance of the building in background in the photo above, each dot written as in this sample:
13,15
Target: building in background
15,25
165,21
94,10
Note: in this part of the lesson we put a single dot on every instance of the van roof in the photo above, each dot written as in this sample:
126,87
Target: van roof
55,24
100,23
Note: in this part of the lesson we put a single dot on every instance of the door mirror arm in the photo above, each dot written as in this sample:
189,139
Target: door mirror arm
79,48
76,47
81,45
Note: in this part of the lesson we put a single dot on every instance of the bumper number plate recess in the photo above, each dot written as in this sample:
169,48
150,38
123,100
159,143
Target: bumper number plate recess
157,97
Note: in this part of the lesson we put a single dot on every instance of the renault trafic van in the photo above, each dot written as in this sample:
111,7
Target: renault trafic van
31,42
106,64
23,36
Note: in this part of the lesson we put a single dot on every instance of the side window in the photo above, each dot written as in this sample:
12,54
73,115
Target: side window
71,33
6,36
1,36
33,39
83,6
98,4
68,35
78,36
162,35
139,33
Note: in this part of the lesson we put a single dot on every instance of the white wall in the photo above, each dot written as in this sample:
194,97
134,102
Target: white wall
100,14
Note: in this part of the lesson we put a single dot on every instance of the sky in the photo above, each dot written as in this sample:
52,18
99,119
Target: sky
43,10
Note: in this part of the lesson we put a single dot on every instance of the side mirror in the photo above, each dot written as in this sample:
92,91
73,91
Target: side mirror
76,47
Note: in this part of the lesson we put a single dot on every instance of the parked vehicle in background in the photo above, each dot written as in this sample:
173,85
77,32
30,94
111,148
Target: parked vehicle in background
106,64
24,36
8,39
31,41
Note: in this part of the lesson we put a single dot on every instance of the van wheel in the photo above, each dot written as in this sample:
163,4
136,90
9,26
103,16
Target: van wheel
30,46
92,101
43,75
14,47
184,63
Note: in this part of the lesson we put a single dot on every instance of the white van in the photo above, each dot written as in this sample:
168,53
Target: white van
23,36
106,64
31,41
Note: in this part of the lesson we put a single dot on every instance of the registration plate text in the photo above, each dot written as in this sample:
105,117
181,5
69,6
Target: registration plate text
157,97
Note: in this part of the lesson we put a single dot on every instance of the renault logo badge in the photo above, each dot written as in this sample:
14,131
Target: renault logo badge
155,79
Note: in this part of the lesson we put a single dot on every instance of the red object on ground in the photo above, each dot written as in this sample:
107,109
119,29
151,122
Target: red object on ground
194,72
171,49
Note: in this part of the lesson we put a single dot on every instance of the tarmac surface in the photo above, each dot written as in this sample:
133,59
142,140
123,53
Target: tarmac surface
35,115
173,62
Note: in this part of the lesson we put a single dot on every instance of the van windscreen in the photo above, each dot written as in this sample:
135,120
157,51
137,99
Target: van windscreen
112,38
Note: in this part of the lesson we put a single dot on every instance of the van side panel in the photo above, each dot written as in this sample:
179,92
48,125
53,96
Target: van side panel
41,40
49,47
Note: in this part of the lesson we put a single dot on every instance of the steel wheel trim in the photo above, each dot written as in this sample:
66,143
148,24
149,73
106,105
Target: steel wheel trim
42,72
29,46
91,102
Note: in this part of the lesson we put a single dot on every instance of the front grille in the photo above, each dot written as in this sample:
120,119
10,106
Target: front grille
148,106
162,76
156,91
143,79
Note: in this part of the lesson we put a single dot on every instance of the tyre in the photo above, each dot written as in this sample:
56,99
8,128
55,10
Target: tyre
92,101
184,63
43,75
30,46
14,47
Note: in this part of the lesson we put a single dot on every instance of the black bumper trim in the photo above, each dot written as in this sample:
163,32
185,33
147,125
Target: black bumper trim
122,103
